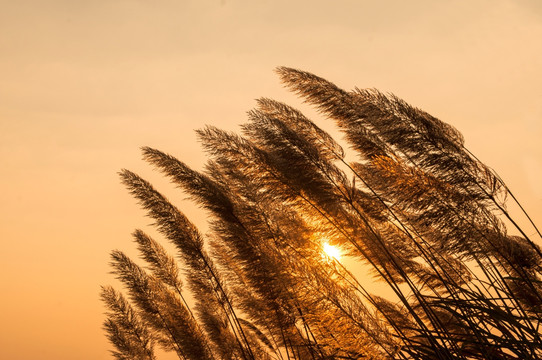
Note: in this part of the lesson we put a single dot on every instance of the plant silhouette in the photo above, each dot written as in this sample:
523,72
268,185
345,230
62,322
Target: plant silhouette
424,215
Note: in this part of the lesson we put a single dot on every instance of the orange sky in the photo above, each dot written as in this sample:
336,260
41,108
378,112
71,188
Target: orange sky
84,84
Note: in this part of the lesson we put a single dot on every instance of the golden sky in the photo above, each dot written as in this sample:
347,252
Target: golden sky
84,84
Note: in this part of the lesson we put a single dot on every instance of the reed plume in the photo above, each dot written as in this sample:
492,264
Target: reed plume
417,210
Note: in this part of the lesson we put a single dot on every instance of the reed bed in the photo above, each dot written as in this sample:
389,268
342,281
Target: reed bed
419,210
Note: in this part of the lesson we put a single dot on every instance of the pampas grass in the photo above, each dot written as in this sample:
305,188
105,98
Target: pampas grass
424,215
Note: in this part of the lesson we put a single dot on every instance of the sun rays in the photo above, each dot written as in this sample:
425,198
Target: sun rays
332,251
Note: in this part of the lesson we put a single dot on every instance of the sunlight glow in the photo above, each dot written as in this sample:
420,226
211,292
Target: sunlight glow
332,251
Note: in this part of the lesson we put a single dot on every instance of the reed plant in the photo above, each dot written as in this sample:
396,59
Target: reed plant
419,211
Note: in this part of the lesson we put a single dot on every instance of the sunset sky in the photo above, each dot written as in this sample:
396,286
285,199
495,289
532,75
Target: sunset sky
85,84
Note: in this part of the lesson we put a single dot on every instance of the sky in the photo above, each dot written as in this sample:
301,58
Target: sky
85,84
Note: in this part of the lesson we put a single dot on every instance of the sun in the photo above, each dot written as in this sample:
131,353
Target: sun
332,251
